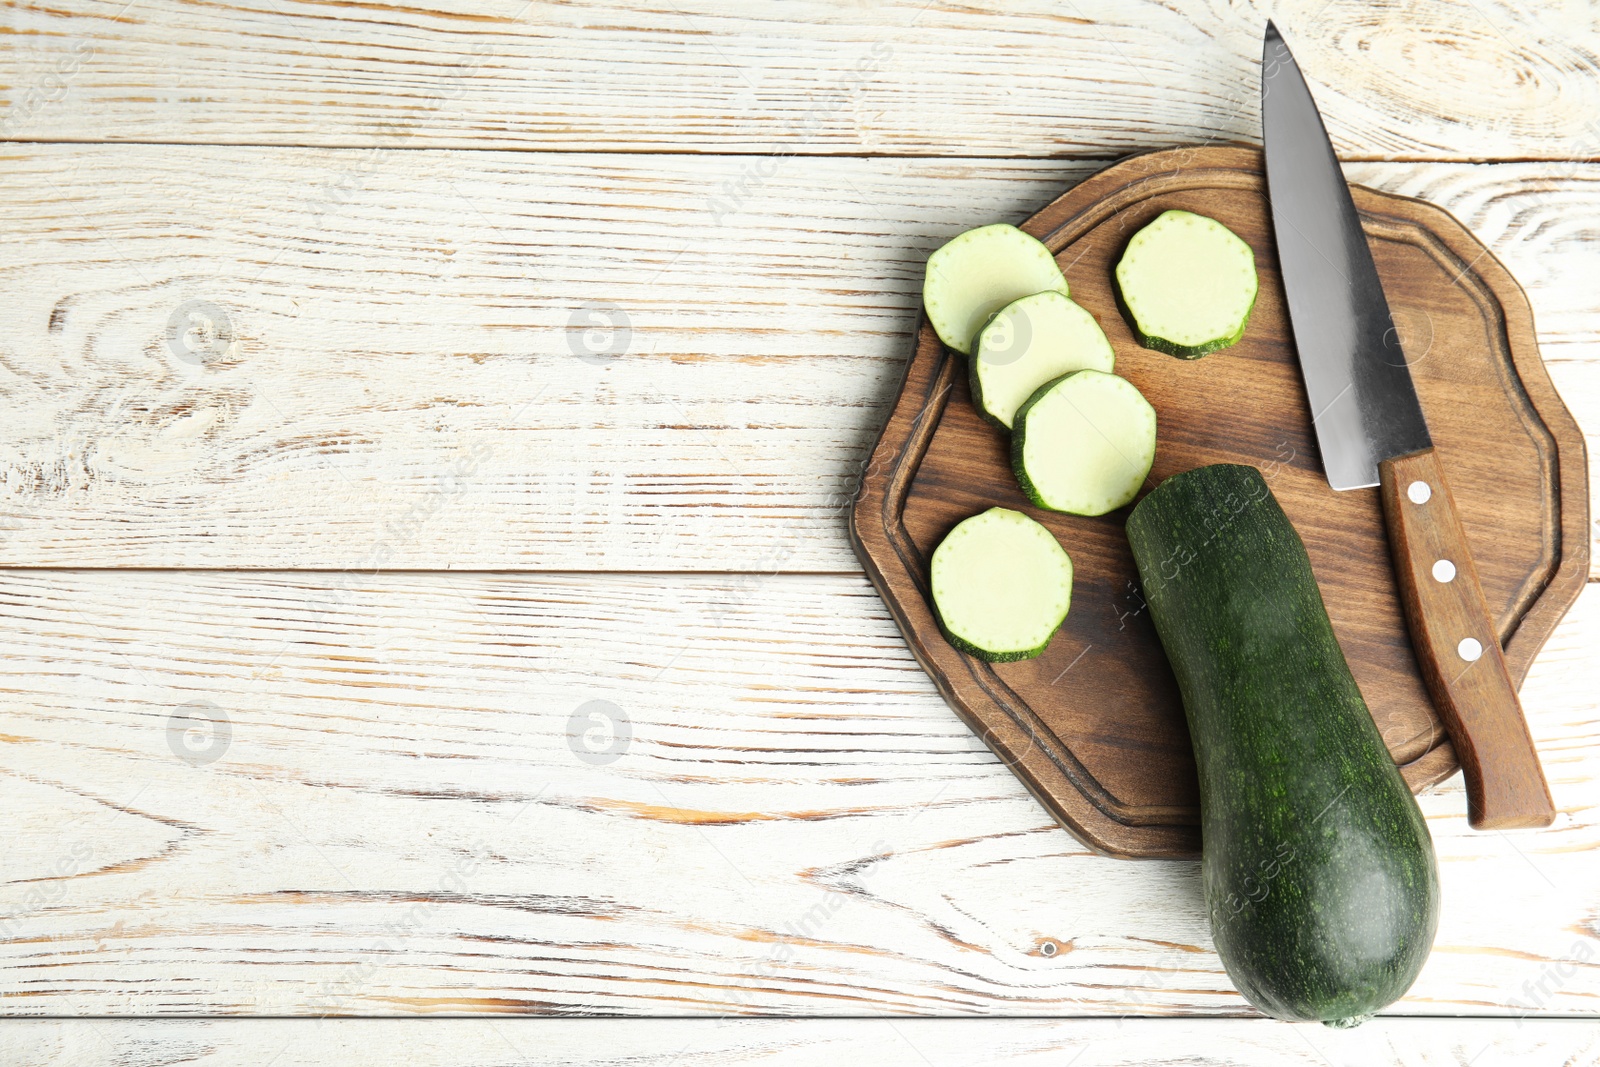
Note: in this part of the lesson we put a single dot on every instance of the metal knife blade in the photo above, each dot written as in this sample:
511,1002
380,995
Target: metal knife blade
1371,431
1363,403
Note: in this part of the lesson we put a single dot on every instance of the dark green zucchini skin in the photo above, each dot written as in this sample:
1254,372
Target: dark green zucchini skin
1319,872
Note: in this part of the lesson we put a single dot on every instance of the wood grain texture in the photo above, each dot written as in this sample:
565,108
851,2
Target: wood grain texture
1094,725
413,810
405,385
1489,79
892,1043
1471,688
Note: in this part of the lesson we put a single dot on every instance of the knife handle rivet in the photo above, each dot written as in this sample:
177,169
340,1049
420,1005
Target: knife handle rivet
1469,649
1444,571
1419,492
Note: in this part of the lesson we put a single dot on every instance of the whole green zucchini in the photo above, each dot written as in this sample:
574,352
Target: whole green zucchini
1319,873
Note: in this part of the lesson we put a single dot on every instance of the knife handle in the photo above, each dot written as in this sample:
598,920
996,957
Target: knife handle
1458,648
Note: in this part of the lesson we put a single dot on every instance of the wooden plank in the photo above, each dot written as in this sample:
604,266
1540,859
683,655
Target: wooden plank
892,1043
1491,79
410,365
620,794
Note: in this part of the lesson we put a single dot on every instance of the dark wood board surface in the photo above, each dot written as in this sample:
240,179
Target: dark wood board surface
1094,726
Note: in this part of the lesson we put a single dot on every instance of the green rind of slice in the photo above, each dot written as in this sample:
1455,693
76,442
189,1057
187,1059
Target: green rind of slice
976,273
1187,285
995,657
1027,343
1161,344
1084,443
1001,585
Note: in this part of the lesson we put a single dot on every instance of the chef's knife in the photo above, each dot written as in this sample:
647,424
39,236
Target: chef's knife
1371,432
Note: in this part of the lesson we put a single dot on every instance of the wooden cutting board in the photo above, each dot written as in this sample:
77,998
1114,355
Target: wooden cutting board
1094,726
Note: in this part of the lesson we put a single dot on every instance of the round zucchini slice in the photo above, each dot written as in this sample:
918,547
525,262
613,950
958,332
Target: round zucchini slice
1027,343
977,273
1084,443
1001,586
1188,284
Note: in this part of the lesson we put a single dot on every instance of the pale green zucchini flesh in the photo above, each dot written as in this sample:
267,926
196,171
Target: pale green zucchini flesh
1187,284
1001,586
976,273
1029,342
1084,443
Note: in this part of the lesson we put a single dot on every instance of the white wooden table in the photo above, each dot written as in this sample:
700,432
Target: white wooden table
425,443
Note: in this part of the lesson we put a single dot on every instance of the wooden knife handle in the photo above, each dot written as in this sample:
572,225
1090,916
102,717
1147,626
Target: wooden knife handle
1458,648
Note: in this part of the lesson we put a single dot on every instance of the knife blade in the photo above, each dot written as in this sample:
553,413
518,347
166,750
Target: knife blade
1371,431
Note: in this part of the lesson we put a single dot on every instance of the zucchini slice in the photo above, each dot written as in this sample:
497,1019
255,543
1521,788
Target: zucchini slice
1001,586
1027,343
977,273
1084,443
1188,284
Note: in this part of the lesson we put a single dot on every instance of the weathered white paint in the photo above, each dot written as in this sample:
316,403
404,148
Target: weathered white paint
784,1042
1029,78
401,818
398,378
